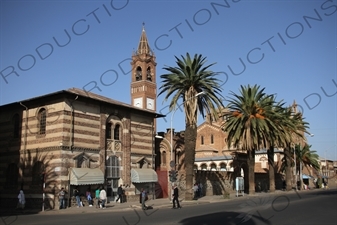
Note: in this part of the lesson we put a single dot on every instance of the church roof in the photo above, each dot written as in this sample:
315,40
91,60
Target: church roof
84,94
143,46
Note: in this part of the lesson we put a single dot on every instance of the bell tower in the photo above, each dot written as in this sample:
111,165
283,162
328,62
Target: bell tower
143,76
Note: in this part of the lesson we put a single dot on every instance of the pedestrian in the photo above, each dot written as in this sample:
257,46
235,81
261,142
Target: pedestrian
102,197
120,194
143,198
89,198
78,198
62,195
200,186
195,190
175,198
21,200
97,197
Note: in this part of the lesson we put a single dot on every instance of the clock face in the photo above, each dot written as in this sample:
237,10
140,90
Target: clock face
150,103
138,102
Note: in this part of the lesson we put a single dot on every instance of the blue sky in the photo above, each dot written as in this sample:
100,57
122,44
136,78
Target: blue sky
288,47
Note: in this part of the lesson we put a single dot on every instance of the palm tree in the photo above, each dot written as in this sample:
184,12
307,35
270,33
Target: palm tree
294,127
279,135
305,157
249,124
184,81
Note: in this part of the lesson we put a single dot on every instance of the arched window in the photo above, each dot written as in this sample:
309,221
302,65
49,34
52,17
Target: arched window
138,73
203,167
213,167
113,167
148,74
195,167
222,166
16,124
12,175
117,132
202,140
212,139
83,161
108,130
42,117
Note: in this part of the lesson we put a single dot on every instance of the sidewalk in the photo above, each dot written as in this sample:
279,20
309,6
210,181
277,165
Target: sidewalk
161,203
155,204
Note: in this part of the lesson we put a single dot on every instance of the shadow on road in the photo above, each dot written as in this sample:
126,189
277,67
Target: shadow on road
324,192
224,218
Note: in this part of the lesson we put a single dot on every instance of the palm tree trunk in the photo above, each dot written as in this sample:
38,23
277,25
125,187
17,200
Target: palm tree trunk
288,169
251,172
190,142
271,169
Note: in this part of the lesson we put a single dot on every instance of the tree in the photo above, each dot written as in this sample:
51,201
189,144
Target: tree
249,124
305,157
294,127
184,81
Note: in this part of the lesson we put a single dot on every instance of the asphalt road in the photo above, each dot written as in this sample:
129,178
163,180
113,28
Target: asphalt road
306,207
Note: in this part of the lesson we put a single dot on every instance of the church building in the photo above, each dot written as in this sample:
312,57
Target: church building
74,138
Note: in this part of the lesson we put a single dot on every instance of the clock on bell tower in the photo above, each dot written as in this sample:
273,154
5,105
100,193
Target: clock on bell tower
143,72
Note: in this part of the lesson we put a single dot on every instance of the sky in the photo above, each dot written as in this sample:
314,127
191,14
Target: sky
287,47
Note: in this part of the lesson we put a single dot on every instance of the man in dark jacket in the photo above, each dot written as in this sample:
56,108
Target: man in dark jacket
120,194
175,198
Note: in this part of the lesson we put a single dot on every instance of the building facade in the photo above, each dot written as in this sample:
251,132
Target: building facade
77,138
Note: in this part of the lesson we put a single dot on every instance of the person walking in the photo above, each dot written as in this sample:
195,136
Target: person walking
102,197
143,198
195,190
120,194
175,198
77,196
97,197
62,195
22,200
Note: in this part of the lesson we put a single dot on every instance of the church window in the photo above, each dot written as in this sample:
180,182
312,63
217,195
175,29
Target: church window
42,117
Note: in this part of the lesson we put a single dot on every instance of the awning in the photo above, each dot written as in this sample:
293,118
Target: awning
143,176
304,176
85,176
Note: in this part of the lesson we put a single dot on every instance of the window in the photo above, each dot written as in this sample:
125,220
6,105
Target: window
212,139
195,167
203,167
163,158
202,140
108,130
42,117
213,167
117,132
113,167
83,161
148,74
16,123
138,74
222,167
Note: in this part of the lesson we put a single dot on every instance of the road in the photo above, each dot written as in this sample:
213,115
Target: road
305,207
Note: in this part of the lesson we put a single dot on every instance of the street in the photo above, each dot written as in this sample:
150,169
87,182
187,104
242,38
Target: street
304,207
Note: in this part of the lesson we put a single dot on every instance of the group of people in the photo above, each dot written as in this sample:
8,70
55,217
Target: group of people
99,200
